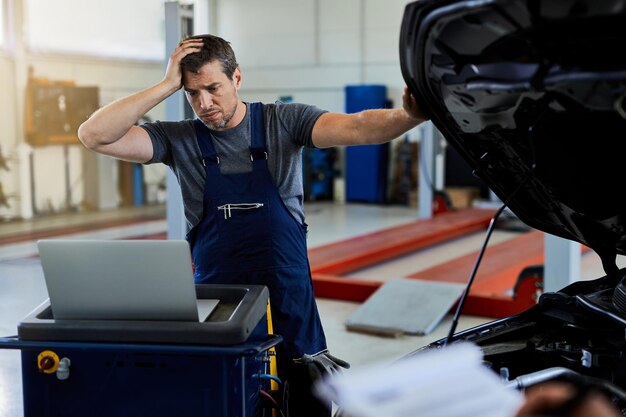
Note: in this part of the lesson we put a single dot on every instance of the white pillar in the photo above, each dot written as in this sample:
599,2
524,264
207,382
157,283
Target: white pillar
15,22
562,262
174,110
427,138
203,11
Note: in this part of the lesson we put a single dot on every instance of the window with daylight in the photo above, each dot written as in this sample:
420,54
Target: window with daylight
112,28
2,23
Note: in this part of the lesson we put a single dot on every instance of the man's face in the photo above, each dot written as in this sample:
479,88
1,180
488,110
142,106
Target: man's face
212,95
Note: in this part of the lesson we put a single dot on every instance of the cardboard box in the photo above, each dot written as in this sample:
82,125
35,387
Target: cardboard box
462,197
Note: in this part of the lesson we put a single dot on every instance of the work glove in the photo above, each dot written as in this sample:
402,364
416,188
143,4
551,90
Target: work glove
322,364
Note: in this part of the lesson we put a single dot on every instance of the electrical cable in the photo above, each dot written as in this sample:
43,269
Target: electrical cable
272,400
270,376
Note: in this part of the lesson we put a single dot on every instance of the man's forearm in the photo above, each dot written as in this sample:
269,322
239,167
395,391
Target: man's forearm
364,128
380,126
114,120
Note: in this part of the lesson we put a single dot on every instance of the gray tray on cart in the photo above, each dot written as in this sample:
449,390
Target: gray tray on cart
237,314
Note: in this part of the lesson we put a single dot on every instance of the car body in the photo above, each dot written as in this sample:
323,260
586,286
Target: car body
532,94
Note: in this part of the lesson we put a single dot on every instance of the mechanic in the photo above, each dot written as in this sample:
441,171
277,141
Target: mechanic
240,170
557,399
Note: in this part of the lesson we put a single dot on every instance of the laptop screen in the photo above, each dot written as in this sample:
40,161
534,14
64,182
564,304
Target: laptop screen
119,279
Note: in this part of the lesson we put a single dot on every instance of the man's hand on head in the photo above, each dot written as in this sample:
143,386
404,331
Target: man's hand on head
173,73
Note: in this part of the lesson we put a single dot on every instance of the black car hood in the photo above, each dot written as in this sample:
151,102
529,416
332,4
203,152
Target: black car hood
532,94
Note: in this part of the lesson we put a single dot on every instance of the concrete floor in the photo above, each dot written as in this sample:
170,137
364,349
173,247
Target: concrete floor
22,287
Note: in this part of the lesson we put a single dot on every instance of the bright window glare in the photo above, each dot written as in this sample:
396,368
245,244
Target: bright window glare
1,22
111,28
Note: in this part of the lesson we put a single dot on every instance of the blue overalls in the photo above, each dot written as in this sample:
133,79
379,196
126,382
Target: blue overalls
248,236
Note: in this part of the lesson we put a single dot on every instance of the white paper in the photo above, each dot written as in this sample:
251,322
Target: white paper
446,382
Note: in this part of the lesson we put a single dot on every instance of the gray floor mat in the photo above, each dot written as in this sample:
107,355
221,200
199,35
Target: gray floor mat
404,305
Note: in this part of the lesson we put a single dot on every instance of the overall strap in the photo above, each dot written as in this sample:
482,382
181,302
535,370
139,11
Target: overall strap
209,156
258,150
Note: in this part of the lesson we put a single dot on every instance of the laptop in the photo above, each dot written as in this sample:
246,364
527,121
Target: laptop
121,280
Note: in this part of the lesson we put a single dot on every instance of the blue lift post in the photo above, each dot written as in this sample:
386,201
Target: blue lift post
138,198
366,166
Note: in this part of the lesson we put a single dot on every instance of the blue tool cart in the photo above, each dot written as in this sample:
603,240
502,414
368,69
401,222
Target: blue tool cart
73,368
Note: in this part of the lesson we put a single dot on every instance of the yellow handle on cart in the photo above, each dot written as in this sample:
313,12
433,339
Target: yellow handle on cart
273,367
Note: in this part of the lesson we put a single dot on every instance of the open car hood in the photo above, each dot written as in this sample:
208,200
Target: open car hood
532,94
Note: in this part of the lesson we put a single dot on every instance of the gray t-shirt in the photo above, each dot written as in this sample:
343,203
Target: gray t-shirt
288,128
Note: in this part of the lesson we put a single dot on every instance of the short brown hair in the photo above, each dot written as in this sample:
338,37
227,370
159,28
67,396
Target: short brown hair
214,48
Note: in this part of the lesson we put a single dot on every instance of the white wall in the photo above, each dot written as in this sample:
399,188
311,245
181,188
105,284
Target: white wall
307,49
312,49
115,78
8,139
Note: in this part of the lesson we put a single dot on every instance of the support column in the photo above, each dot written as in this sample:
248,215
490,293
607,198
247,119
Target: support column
426,169
203,11
562,262
177,25
15,23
